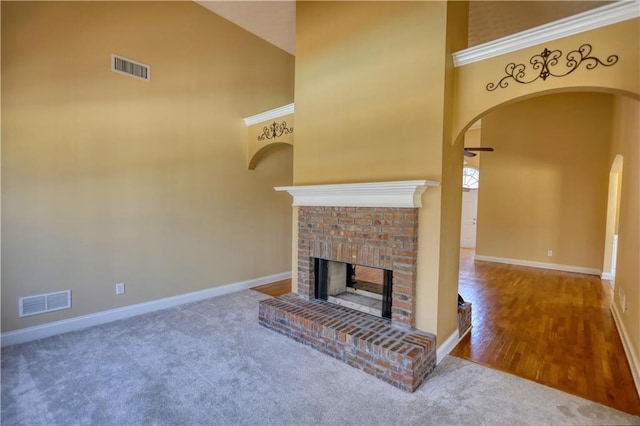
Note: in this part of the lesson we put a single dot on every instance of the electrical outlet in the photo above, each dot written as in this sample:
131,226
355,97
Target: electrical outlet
549,253
120,288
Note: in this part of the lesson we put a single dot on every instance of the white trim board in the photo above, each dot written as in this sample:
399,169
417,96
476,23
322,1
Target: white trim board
270,115
607,276
78,323
541,265
632,357
449,344
572,25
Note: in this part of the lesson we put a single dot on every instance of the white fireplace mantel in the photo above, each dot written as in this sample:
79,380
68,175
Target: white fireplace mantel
406,193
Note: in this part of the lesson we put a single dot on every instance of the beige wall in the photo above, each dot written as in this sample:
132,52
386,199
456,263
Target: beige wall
368,108
108,179
545,186
451,201
626,142
472,139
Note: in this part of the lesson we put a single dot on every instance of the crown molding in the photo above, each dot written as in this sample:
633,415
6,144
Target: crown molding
270,115
375,194
585,21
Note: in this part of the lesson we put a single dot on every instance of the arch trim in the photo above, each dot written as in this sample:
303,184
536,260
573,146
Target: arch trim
259,154
476,121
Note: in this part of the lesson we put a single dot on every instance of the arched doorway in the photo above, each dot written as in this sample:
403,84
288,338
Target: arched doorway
613,219
549,185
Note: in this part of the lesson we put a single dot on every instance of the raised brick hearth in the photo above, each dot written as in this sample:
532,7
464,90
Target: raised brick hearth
400,357
464,318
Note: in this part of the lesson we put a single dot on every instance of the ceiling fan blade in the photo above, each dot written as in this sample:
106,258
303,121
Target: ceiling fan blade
469,153
479,148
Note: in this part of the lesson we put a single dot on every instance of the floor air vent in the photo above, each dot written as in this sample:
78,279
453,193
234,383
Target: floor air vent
131,68
42,303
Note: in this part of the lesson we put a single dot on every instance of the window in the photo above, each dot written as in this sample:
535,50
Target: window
470,177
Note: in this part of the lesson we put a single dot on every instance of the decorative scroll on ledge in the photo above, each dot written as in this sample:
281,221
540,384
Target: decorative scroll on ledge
375,194
275,130
547,63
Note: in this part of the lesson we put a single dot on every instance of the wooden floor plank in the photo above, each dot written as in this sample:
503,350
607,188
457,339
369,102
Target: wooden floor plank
275,289
555,328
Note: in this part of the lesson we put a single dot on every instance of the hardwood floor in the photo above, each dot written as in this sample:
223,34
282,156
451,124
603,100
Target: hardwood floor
275,289
551,327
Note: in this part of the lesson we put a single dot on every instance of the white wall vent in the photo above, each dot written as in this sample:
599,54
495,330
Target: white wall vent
131,68
41,303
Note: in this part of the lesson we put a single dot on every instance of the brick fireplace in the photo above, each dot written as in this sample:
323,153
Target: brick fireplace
370,225
379,237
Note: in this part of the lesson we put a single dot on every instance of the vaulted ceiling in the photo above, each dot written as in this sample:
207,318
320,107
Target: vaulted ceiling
491,20
275,21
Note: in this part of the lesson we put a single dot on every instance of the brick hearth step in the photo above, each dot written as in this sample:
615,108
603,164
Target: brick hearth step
401,357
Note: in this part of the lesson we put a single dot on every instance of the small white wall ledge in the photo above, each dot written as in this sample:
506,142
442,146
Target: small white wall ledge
371,194
272,114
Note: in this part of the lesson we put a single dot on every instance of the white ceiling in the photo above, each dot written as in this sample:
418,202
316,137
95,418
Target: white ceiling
275,21
491,20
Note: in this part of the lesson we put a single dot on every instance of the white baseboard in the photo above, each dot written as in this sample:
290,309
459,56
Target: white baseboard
449,344
606,276
77,323
542,265
632,357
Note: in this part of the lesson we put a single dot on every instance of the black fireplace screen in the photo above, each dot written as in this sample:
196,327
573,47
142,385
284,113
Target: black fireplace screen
355,279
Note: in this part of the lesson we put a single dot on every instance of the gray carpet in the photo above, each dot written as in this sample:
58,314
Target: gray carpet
211,363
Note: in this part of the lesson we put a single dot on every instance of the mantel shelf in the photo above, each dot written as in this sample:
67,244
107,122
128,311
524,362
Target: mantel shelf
371,194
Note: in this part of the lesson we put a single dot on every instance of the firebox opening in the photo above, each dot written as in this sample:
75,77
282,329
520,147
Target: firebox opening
362,288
